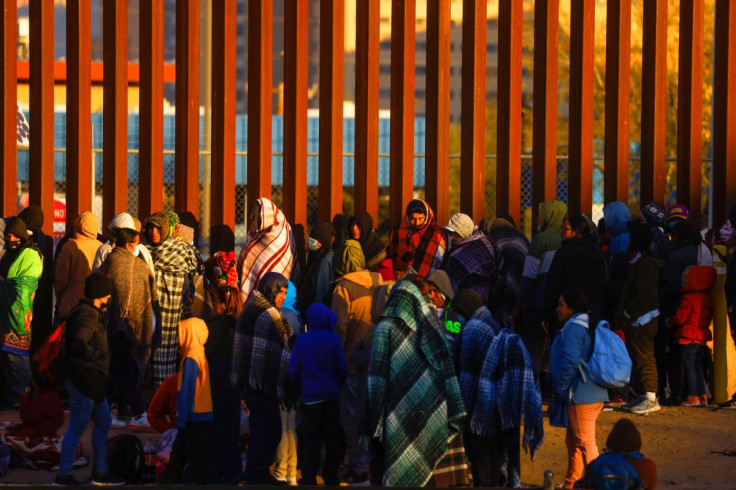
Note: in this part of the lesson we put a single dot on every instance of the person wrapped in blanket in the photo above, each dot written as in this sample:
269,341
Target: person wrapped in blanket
174,261
417,244
413,405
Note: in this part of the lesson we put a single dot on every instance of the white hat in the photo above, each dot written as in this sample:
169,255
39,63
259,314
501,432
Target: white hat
123,220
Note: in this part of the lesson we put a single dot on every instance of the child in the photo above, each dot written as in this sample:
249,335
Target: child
692,322
193,407
318,369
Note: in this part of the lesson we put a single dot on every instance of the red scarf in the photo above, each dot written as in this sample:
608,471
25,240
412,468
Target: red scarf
423,249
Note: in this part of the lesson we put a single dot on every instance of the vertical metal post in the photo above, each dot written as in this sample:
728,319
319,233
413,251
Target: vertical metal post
78,109
186,188
724,113
224,97
618,71
544,165
260,67
437,169
41,154
151,122
580,146
9,108
296,85
653,101
331,56
403,40
367,59
508,166
690,108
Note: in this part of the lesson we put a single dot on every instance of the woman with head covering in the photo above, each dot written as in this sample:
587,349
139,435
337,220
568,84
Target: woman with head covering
20,269
417,242
260,369
75,263
471,261
123,221
223,307
174,261
269,247
511,249
374,250
318,274
413,403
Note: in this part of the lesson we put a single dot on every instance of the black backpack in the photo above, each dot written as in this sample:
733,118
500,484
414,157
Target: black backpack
125,458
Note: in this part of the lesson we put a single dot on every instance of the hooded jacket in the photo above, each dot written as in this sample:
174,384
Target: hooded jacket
317,365
86,348
617,216
695,313
639,295
194,398
353,301
75,263
541,252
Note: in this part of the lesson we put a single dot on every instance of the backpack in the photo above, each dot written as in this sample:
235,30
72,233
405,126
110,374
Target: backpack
609,365
125,458
611,471
50,362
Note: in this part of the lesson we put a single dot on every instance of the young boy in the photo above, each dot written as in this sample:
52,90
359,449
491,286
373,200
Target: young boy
318,369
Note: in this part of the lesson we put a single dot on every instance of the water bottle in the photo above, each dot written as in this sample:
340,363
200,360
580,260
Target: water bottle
549,483
149,470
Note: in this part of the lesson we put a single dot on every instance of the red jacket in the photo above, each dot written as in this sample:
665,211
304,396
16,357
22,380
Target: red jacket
163,405
695,312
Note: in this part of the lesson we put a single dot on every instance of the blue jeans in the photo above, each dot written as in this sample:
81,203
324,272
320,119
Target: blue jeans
82,409
692,361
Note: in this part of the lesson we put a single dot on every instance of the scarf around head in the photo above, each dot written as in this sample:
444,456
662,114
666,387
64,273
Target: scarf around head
161,221
193,335
269,249
422,249
374,249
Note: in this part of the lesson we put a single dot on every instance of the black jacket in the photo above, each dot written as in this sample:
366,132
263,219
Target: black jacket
578,264
670,280
87,351
640,294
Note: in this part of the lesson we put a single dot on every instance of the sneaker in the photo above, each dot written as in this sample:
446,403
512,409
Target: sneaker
633,403
140,423
291,481
645,407
729,405
692,401
105,479
354,480
272,480
66,481
117,423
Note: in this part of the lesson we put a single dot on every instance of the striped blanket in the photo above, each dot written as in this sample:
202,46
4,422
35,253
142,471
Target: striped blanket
412,402
270,249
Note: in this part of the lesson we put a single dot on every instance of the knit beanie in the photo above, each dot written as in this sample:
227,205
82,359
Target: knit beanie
17,227
348,258
440,279
462,224
466,301
624,437
654,214
123,220
97,286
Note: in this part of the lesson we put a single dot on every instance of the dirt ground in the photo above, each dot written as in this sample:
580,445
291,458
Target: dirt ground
679,440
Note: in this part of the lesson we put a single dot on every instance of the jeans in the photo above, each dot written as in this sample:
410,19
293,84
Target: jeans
265,434
286,454
692,362
580,439
351,402
16,373
320,423
81,409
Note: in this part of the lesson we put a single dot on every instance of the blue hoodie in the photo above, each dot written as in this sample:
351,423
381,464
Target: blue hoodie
317,364
617,218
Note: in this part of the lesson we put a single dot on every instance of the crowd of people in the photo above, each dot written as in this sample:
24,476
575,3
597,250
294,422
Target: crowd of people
413,362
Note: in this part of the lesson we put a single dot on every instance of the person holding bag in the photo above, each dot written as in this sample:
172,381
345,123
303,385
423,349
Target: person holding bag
583,398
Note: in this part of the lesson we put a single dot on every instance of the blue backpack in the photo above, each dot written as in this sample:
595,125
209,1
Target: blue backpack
609,365
611,471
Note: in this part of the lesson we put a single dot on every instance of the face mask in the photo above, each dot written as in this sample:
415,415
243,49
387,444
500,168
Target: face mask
103,307
313,245
12,245
137,250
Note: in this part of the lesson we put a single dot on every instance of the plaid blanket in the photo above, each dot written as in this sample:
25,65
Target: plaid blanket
270,249
471,263
261,353
422,249
511,250
174,261
499,387
412,401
